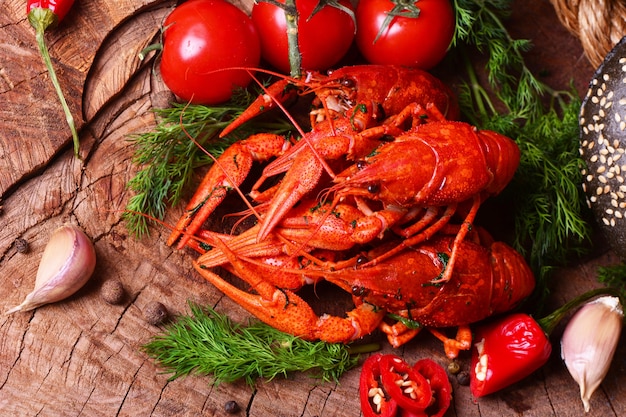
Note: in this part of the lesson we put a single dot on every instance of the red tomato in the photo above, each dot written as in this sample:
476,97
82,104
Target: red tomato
322,39
201,38
420,41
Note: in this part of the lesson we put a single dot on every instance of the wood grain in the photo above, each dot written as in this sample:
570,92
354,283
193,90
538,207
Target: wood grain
83,357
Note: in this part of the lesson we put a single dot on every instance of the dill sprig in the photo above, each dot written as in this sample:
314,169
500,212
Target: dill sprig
168,157
548,200
614,276
209,343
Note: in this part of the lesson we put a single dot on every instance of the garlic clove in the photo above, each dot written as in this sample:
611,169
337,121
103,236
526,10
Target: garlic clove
589,343
67,263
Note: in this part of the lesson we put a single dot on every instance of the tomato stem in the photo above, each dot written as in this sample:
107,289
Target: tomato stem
291,17
41,19
401,8
295,59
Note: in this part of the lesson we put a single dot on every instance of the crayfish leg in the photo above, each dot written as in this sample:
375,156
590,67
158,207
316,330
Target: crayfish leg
398,333
452,347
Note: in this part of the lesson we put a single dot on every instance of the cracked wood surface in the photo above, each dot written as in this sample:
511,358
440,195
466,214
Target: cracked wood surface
83,357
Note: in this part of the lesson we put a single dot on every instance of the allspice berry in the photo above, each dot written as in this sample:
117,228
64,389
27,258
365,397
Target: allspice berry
112,291
155,313
231,407
21,245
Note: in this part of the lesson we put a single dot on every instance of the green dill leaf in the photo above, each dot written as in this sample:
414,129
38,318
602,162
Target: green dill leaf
209,343
614,276
548,201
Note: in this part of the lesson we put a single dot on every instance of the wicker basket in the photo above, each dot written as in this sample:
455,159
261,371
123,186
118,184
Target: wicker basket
599,24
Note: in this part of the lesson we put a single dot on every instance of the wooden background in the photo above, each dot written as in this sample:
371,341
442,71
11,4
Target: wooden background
82,357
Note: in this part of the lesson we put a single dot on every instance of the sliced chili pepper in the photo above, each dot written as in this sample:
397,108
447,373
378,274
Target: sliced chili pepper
44,14
507,351
375,401
406,413
441,387
406,386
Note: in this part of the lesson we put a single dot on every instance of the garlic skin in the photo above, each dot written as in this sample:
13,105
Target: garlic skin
67,263
589,343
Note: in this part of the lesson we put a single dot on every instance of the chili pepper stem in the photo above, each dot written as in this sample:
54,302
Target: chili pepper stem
549,322
41,19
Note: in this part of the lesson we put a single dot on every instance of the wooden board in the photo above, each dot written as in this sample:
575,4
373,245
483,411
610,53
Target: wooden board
83,356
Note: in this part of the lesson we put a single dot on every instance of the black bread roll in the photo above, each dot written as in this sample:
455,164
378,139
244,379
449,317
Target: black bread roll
603,144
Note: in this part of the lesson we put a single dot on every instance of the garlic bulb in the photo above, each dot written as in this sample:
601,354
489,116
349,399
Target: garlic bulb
67,262
589,342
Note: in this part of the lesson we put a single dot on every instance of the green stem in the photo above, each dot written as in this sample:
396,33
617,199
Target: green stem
291,16
41,19
366,348
295,59
549,322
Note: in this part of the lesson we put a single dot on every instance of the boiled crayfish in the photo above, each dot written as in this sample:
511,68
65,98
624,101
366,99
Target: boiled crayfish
378,198
354,100
488,278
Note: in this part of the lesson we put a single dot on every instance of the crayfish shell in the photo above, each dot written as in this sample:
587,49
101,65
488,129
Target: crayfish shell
603,144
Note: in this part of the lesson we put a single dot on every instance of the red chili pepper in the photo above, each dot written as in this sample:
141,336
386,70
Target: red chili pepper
44,14
515,346
58,8
410,390
507,351
374,399
439,383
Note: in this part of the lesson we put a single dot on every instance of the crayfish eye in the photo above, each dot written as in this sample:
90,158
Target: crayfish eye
358,291
373,188
361,164
361,259
347,82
